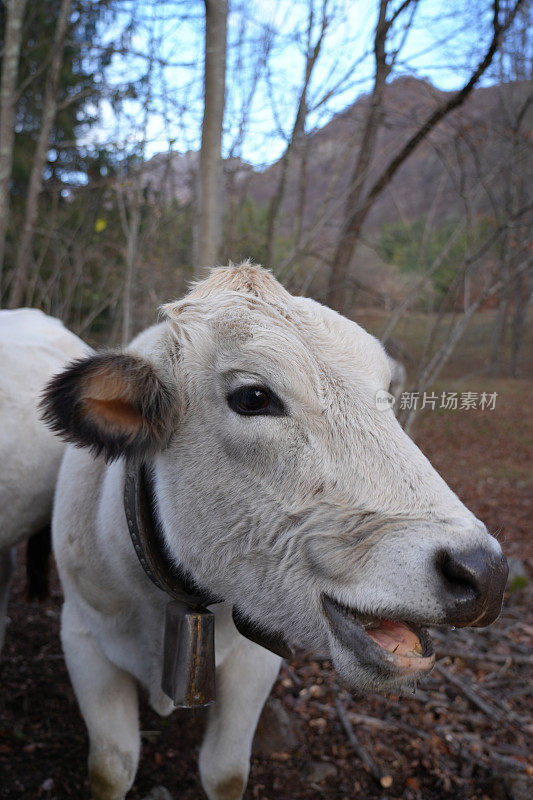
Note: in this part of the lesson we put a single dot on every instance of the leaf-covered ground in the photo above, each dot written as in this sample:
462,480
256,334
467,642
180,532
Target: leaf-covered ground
463,735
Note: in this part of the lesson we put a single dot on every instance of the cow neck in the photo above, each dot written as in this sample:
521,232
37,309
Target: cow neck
148,541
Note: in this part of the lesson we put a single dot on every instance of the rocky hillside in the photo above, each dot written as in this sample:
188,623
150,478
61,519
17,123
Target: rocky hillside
465,158
469,145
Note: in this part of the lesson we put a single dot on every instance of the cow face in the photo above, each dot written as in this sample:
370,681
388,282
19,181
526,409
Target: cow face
281,484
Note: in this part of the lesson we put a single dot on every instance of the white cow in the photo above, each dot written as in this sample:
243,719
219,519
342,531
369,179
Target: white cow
280,486
33,347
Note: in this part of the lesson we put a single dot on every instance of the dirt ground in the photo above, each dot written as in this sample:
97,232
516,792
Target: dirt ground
463,735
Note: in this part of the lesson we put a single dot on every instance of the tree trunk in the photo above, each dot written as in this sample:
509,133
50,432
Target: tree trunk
498,331
131,222
523,298
24,254
301,195
351,227
8,98
209,224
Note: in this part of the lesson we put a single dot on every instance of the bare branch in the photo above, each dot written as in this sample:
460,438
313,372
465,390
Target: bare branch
359,208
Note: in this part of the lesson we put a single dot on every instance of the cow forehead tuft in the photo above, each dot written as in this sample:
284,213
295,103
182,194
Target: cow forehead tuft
245,278
238,303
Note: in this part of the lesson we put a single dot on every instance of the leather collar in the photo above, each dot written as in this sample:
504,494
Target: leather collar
147,538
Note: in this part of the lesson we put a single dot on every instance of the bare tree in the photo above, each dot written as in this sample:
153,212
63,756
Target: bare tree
250,54
209,227
297,138
129,198
8,99
446,328
361,199
433,365
515,114
24,254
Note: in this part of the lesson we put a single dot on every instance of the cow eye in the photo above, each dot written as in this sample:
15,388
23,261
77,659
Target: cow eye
250,400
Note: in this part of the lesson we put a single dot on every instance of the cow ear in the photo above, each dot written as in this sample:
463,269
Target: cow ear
113,403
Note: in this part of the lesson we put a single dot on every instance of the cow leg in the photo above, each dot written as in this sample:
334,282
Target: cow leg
107,697
7,567
243,682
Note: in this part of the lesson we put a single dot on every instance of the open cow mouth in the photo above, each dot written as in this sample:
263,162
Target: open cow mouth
389,649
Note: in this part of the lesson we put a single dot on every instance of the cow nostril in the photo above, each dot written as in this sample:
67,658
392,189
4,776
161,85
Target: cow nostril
460,574
474,583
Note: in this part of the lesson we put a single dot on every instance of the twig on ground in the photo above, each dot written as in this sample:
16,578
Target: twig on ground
376,722
469,692
459,742
498,658
383,780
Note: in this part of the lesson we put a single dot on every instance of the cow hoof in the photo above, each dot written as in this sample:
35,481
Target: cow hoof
231,788
111,774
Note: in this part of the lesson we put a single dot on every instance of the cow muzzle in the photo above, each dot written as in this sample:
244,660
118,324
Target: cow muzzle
472,584
387,647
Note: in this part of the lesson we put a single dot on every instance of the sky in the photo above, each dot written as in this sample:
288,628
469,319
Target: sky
440,44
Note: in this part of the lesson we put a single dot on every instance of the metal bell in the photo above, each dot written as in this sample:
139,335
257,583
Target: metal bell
189,655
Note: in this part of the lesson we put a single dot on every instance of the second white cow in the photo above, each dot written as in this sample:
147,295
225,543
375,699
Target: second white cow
33,347
280,487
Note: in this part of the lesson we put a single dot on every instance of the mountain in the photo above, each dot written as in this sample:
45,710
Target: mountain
469,149
467,146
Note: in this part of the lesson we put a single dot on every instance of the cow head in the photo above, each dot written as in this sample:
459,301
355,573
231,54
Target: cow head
280,484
